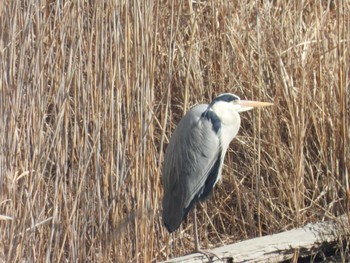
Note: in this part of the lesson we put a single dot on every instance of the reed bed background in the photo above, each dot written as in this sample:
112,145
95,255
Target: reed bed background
91,91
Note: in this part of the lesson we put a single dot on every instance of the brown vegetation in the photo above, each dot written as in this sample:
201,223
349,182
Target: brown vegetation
90,92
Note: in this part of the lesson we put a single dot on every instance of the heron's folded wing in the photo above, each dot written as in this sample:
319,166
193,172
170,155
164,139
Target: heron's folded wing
202,161
192,154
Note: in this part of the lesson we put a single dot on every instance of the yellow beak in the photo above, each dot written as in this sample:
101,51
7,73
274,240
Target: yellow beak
250,104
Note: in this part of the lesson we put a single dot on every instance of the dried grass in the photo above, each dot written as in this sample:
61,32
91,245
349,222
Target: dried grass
91,90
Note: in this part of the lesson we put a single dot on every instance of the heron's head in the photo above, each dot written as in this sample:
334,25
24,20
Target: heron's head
226,119
231,102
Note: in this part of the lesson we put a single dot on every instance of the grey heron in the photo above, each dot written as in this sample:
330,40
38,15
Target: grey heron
195,155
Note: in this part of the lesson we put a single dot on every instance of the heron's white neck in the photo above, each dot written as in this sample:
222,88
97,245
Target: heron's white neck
230,121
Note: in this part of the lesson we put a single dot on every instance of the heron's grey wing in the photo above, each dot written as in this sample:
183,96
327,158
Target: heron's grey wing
191,165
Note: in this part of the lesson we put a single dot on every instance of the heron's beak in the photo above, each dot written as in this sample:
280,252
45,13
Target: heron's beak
249,105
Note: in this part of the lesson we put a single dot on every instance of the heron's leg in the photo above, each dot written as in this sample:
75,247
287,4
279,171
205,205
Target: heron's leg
208,254
195,229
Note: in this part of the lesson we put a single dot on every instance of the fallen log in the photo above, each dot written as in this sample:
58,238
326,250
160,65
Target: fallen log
304,241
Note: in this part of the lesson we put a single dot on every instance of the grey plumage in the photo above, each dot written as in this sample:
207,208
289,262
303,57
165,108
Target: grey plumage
191,158
194,157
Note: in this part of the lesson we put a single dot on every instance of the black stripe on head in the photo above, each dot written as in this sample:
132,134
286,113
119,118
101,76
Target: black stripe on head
213,118
227,97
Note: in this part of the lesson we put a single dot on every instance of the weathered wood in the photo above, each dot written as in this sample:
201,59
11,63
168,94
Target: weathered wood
278,247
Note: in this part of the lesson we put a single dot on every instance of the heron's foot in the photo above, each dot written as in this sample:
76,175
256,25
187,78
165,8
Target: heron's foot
210,255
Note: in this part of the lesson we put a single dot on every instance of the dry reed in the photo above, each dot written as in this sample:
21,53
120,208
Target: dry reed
90,92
